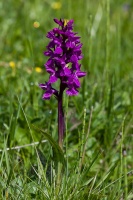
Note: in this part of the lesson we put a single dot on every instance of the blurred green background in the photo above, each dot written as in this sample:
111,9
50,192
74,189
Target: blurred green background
107,37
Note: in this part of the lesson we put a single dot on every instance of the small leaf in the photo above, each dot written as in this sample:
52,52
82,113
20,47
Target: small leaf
57,152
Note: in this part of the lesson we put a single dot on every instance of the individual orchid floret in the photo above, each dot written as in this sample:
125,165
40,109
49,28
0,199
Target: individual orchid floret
48,90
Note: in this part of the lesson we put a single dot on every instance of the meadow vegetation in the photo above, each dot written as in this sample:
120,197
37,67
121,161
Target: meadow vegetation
98,147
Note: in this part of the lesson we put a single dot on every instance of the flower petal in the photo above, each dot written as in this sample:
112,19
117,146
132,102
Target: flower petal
52,79
72,91
58,50
67,71
47,95
76,82
59,22
43,86
81,74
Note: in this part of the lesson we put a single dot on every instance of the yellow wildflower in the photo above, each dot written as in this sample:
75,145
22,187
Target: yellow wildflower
56,5
38,69
36,24
12,64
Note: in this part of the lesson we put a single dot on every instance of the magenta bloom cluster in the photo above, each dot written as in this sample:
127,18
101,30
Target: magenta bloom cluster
64,52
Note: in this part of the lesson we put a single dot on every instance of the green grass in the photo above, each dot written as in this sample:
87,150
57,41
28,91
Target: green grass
97,158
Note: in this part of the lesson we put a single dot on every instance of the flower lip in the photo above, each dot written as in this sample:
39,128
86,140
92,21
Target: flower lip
72,91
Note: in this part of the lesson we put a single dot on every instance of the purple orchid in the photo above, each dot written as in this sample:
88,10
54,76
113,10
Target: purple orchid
64,52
